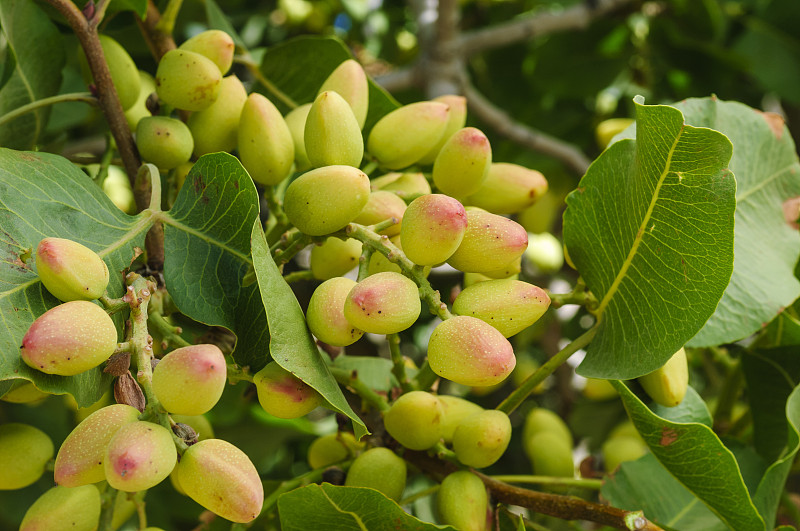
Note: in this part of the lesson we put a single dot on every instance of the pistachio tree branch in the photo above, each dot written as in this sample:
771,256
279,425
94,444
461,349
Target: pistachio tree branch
158,40
542,23
526,136
107,97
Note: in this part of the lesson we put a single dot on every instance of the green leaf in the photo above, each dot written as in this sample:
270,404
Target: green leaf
691,409
207,253
345,509
771,375
784,330
298,67
693,453
137,6
38,50
766,245
768,494
291,344
376,373
646,485
650,228
218,20
44,195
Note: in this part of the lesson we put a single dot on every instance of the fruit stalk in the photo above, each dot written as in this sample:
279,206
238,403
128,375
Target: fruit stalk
351,380
517,396
398,364
381,244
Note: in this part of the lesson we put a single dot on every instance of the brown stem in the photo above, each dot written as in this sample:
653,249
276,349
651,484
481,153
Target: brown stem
157,40
106,93
564,507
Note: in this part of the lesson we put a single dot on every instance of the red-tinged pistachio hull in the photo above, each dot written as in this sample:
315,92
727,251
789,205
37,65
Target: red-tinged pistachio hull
325,315
434,227
140,455
508,189
332,134
405,135
350,82
508,305
284,395
187,80
470,352
70,271
216,45
384,303
326,199
80,458
221,478
190,380
490,243
265,144
481,439
463,163
69,339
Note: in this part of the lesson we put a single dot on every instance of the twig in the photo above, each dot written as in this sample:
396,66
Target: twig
593,484
351,380
543,23
157,40
398,363
107,97
85,97
526,136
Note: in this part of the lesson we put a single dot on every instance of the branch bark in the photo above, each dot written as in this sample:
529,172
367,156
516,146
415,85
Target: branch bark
564,507
526,136
107,98
158,41
523,29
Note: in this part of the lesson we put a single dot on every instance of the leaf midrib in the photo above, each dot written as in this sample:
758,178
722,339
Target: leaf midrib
164,217
348,513
640,233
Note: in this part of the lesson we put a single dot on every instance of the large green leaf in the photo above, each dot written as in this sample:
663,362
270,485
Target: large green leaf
43,195
650,228
345,509
770,489
38,57
291,344
693,453
207,253
647,486
766,246
298,67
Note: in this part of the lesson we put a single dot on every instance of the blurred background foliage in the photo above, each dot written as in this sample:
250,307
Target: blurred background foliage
563,84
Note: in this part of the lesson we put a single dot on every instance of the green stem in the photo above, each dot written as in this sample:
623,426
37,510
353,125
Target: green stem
168,17
45,102
593,484
109,497
577,296
419,495
138,500
113,306
170,334
297,276
255,70
370,167
443,452
275,206
425,377
105,161
381,244
351,380
139,292
398,363
732,386
363,263
521,393
237,374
